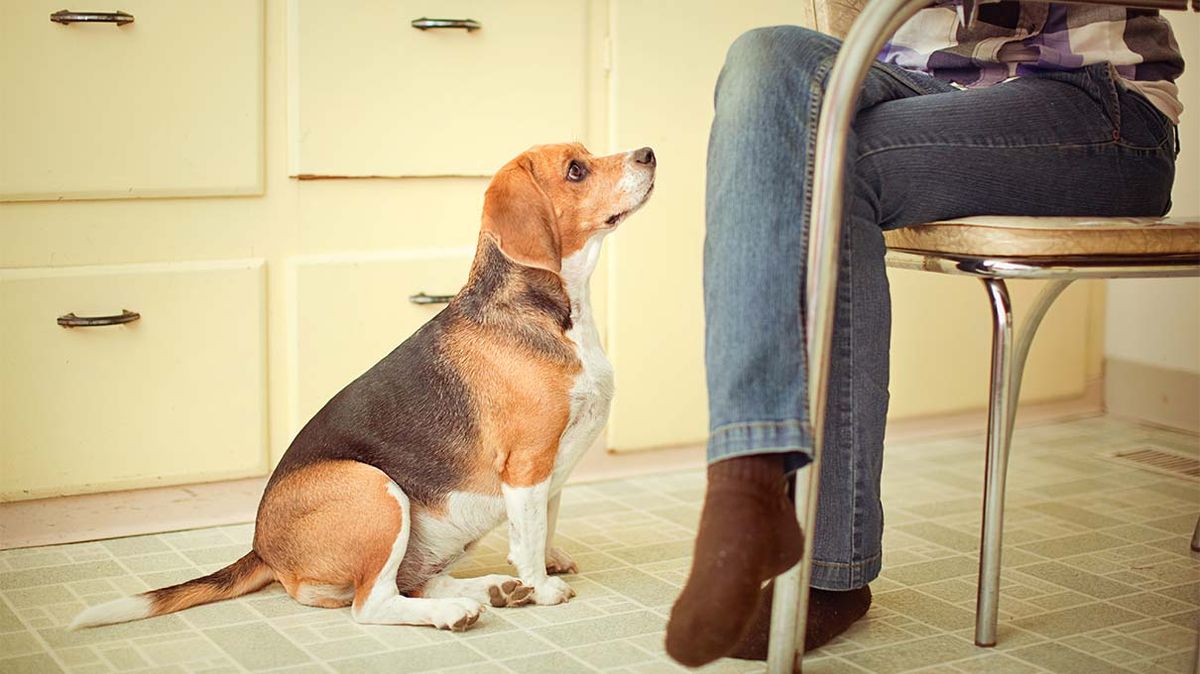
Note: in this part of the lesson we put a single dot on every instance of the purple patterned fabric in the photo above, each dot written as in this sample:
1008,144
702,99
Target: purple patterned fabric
1007,38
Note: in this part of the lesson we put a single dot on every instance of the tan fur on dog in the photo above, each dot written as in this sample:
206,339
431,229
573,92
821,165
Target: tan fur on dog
478,415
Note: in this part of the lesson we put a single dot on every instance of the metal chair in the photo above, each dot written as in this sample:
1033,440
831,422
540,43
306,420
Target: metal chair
996,249
999,249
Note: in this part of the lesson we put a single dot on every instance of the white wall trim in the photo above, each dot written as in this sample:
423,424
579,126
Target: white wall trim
1149,393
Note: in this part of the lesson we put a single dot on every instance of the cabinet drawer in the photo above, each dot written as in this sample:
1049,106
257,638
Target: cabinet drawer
373,96
348,312
169,105
177,396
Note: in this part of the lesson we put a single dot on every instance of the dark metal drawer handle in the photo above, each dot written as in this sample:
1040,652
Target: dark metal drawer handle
67,17
72,321
422,298
425,23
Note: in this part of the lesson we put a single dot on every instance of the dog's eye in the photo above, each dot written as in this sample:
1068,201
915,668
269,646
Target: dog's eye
576,172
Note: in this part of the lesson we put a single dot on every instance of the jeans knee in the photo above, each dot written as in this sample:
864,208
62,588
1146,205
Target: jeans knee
763,62
779,45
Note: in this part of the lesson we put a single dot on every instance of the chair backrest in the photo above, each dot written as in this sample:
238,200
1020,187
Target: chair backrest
834,17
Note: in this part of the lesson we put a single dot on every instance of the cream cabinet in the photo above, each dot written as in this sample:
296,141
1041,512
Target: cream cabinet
230,357
372,95
168,105
177,395
346,312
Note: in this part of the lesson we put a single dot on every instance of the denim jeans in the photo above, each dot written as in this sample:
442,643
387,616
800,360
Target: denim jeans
1064,143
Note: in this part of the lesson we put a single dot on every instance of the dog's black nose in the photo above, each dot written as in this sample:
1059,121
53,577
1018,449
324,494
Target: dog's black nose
645,156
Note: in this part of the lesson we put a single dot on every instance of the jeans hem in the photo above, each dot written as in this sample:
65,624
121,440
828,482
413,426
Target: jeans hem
840,576
762,437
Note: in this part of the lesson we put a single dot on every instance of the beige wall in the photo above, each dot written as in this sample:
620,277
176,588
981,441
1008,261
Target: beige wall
1157,322
1152,330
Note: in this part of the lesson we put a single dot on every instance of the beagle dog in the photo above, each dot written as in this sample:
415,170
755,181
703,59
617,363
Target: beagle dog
479,415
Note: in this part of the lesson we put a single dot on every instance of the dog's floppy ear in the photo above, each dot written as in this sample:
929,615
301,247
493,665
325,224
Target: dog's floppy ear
521,218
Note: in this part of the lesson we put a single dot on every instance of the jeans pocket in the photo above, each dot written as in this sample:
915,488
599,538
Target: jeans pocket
1100,121
1143,126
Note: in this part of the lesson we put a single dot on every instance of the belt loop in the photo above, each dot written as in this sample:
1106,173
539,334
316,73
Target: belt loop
1112,85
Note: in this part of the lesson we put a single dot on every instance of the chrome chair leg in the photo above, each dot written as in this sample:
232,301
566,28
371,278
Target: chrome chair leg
987,603
878,20
1031,323
1196,655
787,621
1008,364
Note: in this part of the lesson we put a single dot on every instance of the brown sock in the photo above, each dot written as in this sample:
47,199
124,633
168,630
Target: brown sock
829,614
748,534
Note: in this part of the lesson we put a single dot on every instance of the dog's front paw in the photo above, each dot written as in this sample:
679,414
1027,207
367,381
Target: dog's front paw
552,591
456,615
509,594
558,561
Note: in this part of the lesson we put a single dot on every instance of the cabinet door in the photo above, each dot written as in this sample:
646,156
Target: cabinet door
168,105
177,396
374,96
349,311
666,56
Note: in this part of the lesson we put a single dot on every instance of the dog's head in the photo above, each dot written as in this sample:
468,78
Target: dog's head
546,204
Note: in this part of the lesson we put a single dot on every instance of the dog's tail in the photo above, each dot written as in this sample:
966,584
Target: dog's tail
244,576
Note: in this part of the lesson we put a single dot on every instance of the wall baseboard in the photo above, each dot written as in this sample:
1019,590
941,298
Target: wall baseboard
1153,394
90,517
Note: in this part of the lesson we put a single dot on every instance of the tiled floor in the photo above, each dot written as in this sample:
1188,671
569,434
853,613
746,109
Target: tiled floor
1097,578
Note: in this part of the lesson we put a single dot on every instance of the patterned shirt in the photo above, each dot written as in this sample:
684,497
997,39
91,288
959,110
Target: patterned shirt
978,44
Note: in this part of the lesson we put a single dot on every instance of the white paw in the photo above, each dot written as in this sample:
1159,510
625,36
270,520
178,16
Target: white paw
456,615
552,591
558,561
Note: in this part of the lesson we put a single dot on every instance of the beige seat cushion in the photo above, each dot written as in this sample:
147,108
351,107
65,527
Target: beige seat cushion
1015,236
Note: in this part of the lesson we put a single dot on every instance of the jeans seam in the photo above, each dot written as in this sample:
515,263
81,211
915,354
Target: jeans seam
755,424
842,576
1164,144
879,67
847,565
983,146
816,102
855,513
744,438
1108,87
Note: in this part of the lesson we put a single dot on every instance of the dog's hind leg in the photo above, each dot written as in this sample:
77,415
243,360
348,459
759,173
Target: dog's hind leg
378,601
335,534
497,590
324,596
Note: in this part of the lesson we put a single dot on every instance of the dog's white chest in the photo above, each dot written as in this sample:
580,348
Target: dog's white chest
592,392
591,397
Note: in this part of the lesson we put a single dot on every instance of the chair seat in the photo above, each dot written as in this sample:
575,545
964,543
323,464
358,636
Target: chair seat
1024,236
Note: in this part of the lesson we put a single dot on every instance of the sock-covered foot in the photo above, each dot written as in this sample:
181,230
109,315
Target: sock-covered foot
748,533
829,614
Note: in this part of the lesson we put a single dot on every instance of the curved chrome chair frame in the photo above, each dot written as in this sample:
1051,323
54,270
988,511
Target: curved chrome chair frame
877,22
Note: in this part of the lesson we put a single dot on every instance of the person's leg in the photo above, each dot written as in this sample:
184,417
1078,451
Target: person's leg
1064,144
767,102
768,98
1069,143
